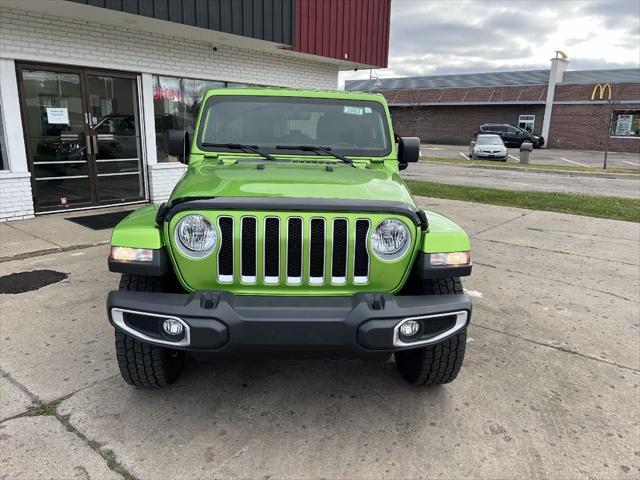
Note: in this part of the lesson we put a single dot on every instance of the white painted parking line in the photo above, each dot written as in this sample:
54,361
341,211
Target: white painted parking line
464,155
515,158
632,163
577,163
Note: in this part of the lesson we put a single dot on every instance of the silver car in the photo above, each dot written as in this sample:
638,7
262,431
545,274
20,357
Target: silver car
488,146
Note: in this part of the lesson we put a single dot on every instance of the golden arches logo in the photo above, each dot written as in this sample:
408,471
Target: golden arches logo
601,90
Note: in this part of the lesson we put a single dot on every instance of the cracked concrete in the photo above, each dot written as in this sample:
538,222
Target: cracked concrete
550,386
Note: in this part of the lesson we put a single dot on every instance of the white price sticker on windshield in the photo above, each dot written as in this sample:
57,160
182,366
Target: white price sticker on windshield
353,110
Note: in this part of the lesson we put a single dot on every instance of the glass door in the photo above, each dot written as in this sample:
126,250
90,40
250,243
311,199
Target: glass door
82,132
115,137
56,138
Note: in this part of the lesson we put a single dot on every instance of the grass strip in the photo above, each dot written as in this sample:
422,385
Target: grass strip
529,166
587,205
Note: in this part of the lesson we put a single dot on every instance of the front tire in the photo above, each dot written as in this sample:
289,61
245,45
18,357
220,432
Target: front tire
441,362
142,364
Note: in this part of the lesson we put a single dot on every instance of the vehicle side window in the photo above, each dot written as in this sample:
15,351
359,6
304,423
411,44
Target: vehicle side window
496,128
514,130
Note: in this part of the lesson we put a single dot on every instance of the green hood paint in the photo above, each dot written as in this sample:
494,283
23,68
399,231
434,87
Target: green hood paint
291,180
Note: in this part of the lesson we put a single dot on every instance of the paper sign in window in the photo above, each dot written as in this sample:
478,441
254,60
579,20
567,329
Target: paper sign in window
58,115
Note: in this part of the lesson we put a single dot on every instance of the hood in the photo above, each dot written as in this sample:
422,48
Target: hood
292,180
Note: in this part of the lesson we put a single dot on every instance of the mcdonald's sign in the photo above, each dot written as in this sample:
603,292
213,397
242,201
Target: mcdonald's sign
601,89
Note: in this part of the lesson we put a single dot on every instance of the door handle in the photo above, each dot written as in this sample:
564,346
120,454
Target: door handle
87,140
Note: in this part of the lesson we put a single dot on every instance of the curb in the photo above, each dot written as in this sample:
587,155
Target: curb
568,173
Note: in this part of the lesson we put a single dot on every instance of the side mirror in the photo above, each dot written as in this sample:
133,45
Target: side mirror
408,151
178,144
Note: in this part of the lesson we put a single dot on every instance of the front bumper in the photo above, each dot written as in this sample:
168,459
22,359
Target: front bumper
490,155
224,322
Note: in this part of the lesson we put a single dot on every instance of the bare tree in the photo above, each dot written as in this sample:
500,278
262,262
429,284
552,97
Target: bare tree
611,102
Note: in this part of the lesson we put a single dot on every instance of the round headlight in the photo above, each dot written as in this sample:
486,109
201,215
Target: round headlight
390,240
195,236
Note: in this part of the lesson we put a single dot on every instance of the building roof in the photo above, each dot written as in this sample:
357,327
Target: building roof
496,79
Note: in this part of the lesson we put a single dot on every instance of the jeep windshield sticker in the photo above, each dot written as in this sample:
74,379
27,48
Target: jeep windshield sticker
353,110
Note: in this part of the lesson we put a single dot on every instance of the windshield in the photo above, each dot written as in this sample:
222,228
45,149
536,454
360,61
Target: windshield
347,127
482,140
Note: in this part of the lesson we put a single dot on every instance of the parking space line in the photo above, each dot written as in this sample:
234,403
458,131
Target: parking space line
632,163
464,155
515,158
577,163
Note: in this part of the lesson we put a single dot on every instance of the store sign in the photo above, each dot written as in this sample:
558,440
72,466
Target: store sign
171,94
600,90
57,115
623,126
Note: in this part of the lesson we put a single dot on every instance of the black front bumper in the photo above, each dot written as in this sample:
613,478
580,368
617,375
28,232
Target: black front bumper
223,322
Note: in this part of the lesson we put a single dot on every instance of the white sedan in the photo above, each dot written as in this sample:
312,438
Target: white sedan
488,146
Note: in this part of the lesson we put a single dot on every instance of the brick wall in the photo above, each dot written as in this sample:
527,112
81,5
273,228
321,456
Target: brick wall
162,178
619,91
15,196
48,38
457,124
585,127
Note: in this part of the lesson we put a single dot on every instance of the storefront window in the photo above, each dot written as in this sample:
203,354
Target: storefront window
175,103
527,122
626,123
4,163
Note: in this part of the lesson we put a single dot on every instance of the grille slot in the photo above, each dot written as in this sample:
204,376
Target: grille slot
340,251
316,252
271,250
225,255
248,255
294,251
361,254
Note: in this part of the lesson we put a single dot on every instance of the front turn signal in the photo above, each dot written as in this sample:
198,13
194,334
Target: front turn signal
126,254
451,259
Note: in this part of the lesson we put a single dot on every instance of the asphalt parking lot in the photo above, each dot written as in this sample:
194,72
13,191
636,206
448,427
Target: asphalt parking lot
550,387
552,156
608,185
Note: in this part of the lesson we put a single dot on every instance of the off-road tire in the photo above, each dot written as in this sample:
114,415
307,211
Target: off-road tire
441,362
142,364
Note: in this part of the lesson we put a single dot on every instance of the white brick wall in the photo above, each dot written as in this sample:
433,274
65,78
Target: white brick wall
33,36
162,178
15,196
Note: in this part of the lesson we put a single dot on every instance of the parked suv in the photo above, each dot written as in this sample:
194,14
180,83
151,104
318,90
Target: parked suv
290,232
512,136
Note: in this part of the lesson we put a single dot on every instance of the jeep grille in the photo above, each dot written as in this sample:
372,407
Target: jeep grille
302,244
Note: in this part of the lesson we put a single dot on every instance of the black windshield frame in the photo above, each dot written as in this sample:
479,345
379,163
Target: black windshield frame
369,153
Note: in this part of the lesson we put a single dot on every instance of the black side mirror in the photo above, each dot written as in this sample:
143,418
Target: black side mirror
408,151
178,144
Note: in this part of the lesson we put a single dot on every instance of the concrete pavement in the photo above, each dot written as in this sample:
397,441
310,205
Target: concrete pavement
511,179
550,386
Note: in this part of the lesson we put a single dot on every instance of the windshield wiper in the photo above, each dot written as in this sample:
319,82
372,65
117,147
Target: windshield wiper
240,146
312,148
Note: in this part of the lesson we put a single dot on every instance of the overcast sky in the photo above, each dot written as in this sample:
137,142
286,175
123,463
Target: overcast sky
431,37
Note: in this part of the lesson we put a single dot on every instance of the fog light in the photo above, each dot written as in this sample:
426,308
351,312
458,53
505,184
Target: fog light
172,327
409,328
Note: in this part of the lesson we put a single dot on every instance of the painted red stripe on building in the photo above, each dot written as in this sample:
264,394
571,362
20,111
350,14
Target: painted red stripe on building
353,30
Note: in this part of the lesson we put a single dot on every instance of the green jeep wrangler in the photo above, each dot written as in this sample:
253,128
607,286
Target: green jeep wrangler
291,232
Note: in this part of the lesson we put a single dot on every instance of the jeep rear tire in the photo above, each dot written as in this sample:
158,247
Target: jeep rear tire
142,364
441,362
